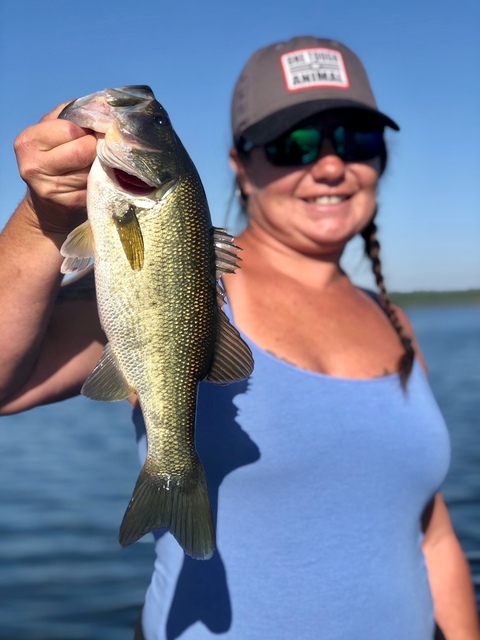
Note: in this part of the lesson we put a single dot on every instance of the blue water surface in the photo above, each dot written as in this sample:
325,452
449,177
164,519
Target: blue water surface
67,472
66,478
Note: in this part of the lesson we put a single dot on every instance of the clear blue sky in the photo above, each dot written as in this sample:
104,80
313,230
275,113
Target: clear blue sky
423,58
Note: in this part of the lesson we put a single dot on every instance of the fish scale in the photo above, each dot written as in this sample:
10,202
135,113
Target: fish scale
157,260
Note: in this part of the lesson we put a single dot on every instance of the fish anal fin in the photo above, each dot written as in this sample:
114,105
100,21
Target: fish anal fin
78,249
130,234
232,358
226,252
106,382
178,503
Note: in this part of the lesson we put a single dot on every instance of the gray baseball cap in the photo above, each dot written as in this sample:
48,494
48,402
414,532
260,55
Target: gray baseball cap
284,83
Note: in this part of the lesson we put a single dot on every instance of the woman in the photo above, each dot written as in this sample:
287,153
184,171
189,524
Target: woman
325,466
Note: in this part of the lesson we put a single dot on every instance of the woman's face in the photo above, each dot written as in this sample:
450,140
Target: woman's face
314,209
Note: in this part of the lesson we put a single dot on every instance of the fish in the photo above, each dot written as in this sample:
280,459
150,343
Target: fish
158,263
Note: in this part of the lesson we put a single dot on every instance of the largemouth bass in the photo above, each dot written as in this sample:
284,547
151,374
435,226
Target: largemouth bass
157,262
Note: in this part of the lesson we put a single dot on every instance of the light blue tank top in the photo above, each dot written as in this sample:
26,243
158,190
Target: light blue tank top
317,486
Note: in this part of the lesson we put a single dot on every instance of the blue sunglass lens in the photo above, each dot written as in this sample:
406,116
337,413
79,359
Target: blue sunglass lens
355,146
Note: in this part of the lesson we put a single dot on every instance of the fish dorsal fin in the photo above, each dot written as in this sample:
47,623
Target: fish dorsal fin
226,252
106,382
232,358
130,234
78,249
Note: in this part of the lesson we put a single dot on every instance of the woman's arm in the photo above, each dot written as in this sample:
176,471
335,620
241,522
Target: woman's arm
46,347
449,575
448,569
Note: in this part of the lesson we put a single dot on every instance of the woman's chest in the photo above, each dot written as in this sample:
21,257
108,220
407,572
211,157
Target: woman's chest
346,336
344,442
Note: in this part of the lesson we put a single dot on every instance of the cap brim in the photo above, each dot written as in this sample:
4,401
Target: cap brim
277,123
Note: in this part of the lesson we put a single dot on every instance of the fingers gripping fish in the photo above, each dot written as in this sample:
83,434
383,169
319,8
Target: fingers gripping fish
157,262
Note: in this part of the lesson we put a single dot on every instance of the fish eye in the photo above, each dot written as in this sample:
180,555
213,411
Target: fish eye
160,119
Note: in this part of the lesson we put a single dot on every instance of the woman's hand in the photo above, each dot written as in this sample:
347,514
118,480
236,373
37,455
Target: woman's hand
54,158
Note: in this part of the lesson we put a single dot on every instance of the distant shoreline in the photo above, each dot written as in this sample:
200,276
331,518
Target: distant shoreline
470,296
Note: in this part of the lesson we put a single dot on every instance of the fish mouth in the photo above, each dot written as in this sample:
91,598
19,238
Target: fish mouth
116,169
130,183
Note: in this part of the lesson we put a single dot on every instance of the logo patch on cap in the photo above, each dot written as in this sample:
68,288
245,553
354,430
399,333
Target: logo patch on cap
316,67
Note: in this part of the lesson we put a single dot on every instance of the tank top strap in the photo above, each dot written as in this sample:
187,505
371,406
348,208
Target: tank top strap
375,297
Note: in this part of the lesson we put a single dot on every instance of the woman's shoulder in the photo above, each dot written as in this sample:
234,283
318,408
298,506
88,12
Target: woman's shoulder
404,320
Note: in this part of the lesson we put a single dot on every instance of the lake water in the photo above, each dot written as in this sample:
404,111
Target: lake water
67,472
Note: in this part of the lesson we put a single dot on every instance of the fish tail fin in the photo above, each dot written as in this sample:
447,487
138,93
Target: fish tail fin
179,503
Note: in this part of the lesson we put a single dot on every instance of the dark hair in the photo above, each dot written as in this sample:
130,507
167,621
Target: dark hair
372,250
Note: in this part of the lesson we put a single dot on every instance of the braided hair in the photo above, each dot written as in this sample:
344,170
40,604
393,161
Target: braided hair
372,249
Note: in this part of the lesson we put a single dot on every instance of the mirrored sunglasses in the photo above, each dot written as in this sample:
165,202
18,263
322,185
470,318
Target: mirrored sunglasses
302,146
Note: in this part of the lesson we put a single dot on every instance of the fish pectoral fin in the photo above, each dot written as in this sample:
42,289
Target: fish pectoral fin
130,234
78,249
226,252
232,358
179,503
106,382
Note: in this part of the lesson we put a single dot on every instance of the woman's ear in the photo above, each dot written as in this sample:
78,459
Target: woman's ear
239,165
